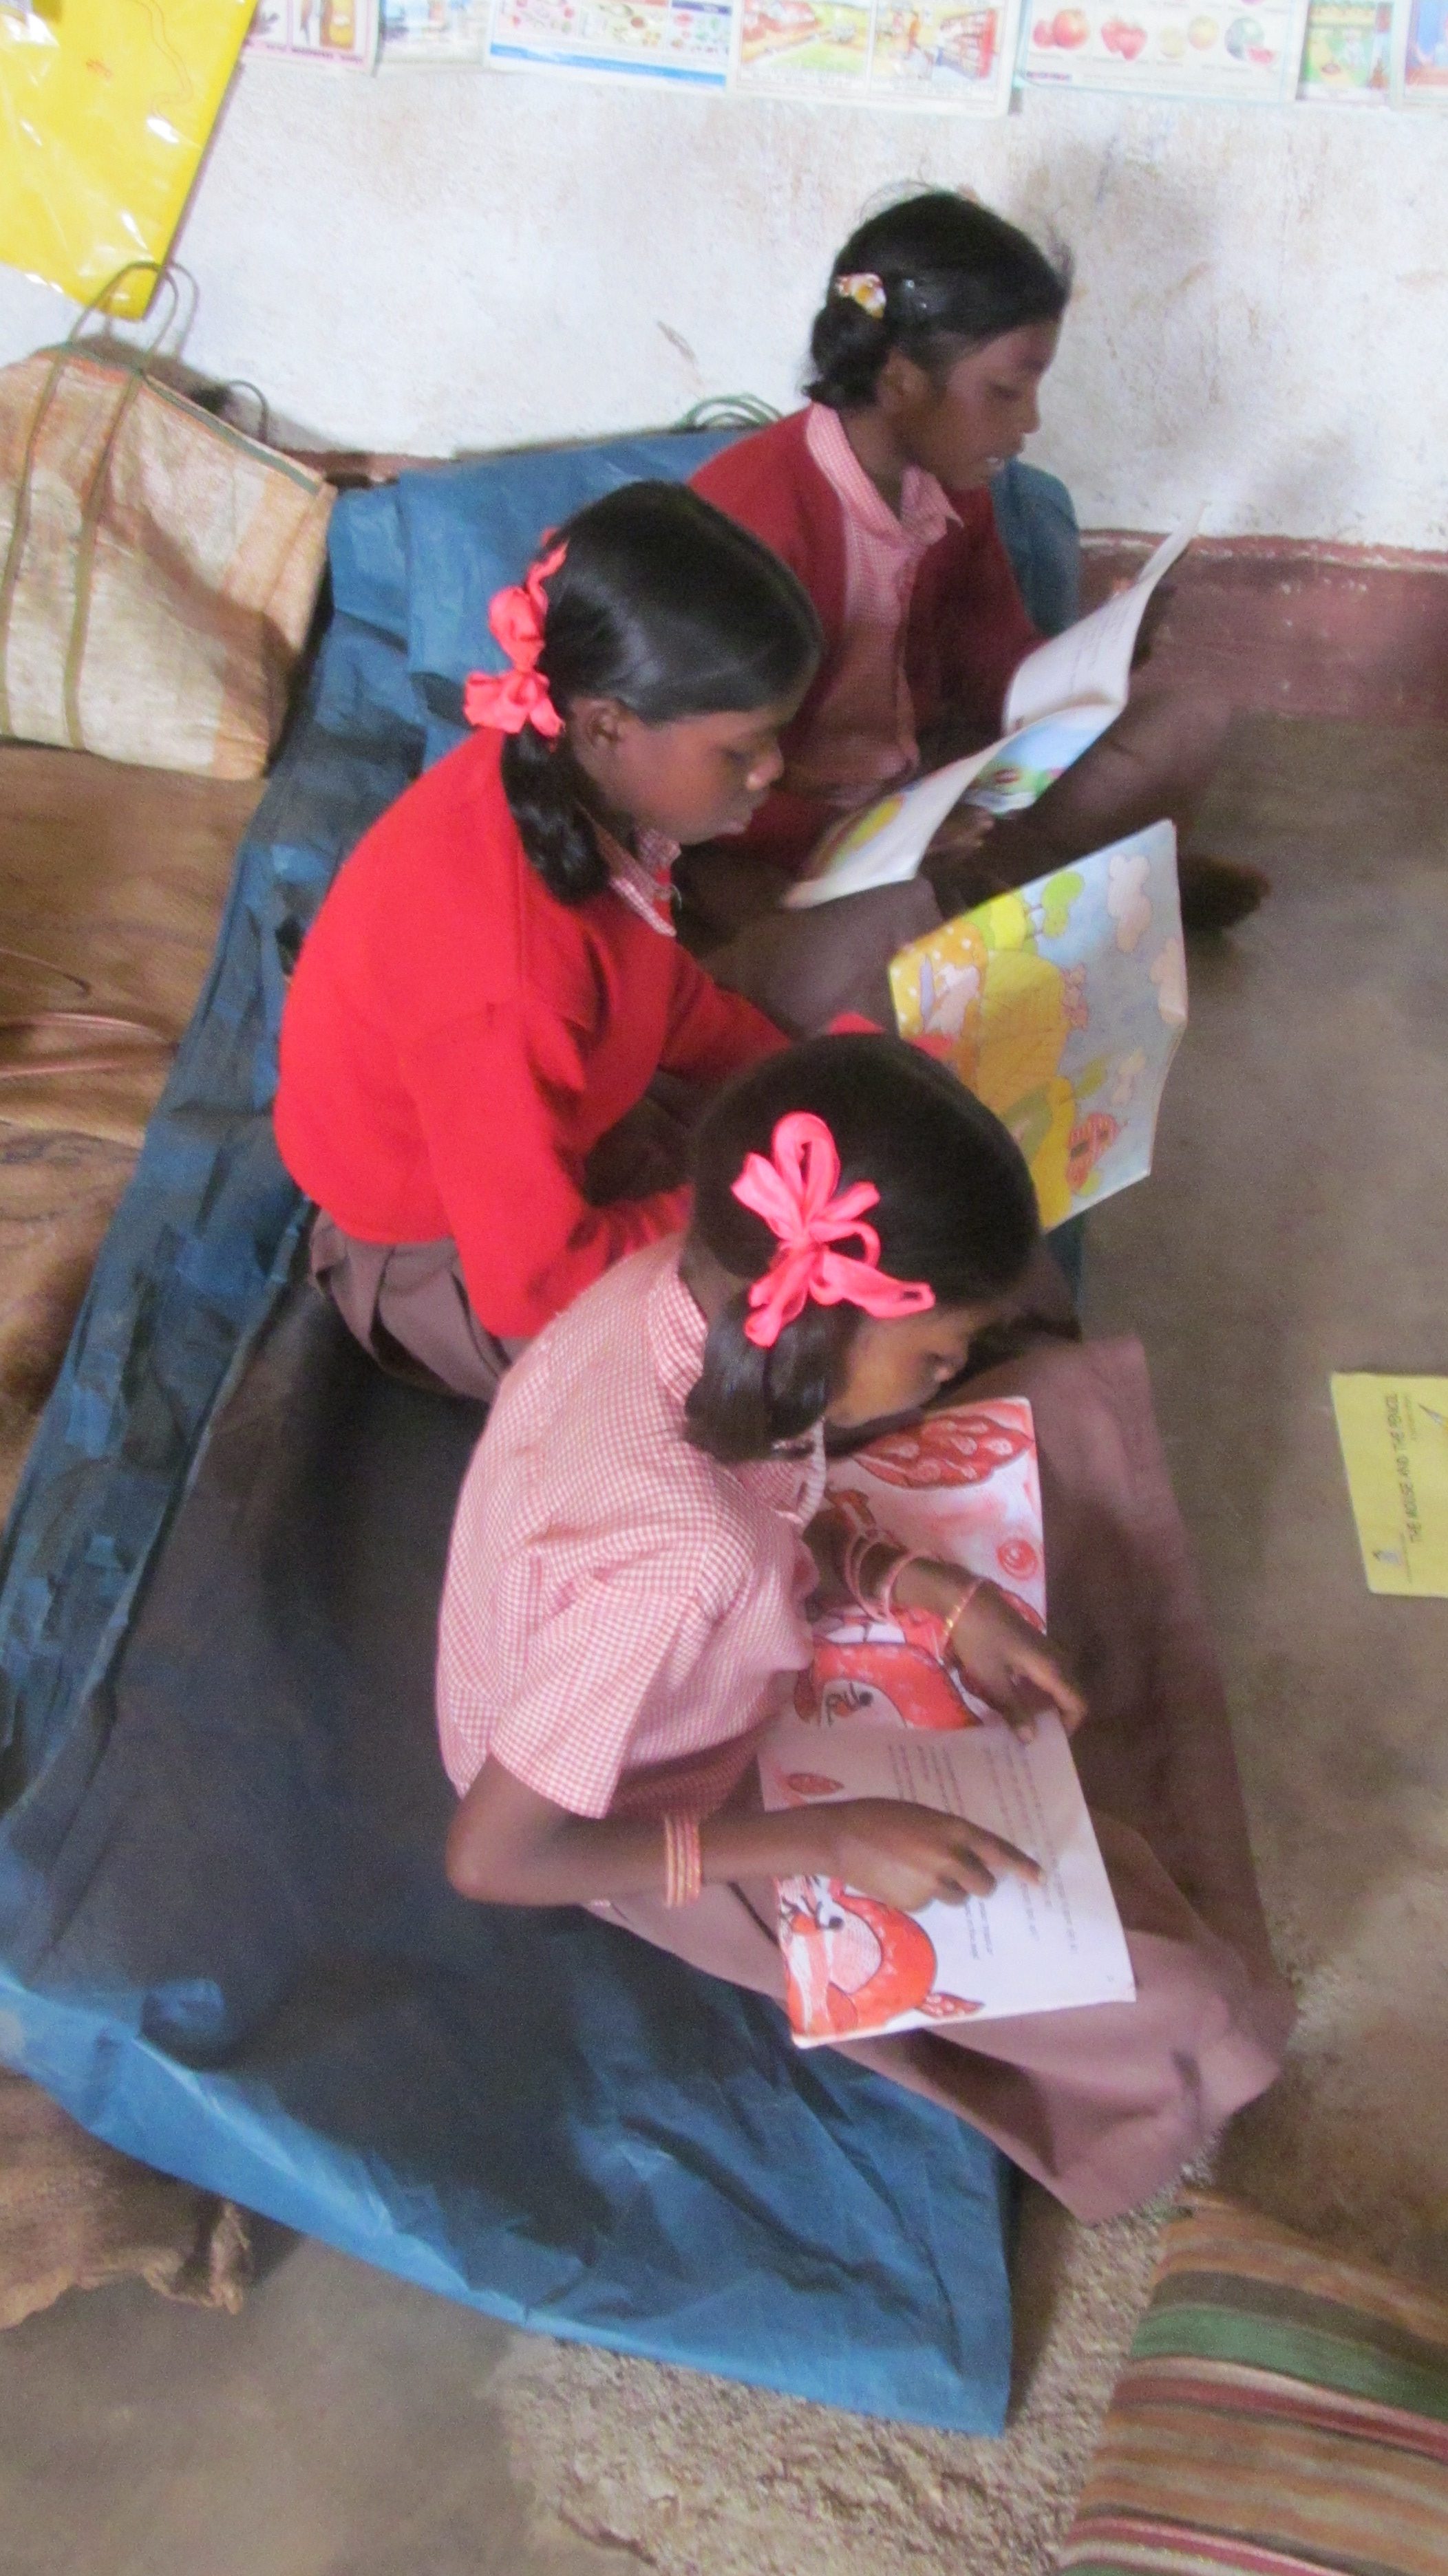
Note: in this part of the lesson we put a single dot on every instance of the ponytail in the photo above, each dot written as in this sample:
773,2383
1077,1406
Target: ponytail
747,1401
542,789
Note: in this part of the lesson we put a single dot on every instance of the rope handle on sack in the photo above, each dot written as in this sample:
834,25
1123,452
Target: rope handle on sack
167,275
114,1023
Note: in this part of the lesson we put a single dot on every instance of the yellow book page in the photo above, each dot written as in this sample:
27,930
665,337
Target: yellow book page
1394,1434
106,107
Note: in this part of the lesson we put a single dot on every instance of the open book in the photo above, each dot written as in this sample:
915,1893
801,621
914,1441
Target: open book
1062,698
880,1715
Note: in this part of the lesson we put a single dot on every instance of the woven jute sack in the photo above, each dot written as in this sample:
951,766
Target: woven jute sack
158,570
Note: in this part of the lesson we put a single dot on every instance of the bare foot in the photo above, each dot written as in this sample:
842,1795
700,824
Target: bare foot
1218,893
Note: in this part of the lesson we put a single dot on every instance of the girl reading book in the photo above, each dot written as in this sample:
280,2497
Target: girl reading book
493,983
938,326
636,1541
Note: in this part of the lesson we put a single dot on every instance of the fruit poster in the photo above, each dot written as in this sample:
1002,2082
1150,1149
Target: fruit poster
317,31
934,53
1348,54
433,32
687,42
1420,54
1169,48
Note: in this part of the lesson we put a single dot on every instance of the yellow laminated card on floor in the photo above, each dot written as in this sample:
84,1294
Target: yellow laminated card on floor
1394,1434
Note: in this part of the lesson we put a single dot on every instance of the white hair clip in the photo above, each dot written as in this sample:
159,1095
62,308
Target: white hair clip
866,289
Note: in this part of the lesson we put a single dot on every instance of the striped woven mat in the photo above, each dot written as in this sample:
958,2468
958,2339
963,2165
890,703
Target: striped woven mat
1282,2413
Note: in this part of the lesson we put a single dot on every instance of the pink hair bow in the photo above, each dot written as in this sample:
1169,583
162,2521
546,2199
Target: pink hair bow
505,701
795,1195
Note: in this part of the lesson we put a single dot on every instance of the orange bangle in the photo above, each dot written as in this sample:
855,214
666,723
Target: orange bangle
683,1860
973,1586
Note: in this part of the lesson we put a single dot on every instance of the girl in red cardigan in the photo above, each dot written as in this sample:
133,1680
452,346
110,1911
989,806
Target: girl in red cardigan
940,322
493,983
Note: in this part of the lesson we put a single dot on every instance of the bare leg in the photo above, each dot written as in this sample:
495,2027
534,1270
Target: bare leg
1154,764
722,890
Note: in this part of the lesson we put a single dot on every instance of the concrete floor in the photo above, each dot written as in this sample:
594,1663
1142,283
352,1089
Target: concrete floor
344,2425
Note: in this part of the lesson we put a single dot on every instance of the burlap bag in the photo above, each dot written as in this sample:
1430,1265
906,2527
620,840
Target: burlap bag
158,570
74,2213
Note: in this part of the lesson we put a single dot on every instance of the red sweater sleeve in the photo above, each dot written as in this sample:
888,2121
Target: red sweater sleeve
504,1169
512,1186
713,1033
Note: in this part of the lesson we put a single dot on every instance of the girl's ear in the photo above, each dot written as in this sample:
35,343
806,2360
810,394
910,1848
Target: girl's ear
599,725
901,386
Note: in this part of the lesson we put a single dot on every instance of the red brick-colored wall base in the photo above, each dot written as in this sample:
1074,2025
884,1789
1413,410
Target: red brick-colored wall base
1307,630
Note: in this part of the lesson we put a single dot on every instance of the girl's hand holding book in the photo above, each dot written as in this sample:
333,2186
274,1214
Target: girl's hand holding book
1007,1662
1002,1659
911,1856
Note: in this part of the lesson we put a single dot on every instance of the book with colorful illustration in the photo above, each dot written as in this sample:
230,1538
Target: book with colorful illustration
1060,701
880,1715
1061,1005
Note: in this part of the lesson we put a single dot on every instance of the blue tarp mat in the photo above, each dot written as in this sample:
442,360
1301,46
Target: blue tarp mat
225,1941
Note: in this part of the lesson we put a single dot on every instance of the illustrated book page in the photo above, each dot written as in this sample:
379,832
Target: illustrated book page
880,1714
1063,697
1061,1005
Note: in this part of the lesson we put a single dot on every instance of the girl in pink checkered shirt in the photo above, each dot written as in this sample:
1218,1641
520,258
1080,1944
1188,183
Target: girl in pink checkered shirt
637,1539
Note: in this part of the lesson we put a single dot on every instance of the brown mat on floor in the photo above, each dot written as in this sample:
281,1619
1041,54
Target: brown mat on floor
111,885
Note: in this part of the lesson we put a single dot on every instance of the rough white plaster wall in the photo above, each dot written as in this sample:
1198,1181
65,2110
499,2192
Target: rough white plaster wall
428,262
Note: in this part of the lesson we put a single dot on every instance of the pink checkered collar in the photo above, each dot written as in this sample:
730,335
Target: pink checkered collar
645,878
925,512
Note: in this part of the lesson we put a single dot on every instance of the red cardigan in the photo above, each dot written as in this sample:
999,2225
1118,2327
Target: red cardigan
967,630
455,1041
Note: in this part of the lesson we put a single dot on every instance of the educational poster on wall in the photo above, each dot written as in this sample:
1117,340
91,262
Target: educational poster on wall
819,46
1206,49
1420,54
1347,58
317,31
933,53
686,42
433,33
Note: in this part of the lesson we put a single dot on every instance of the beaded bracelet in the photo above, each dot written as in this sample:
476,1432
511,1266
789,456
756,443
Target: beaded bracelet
683,1860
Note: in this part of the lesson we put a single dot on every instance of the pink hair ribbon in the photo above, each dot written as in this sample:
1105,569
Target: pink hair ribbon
795,1194
505,701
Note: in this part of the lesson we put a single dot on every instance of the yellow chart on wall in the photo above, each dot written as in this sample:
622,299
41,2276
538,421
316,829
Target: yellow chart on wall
105,110
1394,1434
